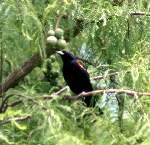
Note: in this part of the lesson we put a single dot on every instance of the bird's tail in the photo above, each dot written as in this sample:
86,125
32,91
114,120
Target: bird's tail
88,101
91,101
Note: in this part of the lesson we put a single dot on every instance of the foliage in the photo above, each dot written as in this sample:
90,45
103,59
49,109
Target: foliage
110,38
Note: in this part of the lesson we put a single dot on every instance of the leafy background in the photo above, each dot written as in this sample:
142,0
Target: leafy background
110,38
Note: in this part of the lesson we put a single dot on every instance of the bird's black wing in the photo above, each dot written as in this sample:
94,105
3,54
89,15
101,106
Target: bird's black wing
77,78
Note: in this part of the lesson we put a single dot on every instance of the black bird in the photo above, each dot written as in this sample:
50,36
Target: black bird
75,75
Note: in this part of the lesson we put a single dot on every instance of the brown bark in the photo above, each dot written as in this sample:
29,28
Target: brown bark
17,119
18,74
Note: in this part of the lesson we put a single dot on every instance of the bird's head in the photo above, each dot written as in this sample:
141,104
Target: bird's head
66,56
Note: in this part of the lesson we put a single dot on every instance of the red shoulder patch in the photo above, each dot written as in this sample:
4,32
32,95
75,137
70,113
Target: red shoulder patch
81,64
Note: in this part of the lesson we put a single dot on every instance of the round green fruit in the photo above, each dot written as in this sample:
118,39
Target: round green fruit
59,32
51,33
61,43
52,40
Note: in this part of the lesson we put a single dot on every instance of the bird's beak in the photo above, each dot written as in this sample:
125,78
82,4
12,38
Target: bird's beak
60,52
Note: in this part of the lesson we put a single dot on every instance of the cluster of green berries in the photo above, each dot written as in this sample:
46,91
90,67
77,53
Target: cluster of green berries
56,38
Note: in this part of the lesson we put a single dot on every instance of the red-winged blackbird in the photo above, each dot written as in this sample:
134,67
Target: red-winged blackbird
75,75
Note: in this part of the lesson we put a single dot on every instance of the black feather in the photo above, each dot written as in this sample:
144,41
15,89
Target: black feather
76,76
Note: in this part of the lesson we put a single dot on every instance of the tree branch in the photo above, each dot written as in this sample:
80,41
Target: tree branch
102,77
62,90
139,14
14,78
15,103
18,119
116,91
85,94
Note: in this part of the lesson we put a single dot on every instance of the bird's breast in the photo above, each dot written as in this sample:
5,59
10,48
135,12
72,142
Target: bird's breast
76,78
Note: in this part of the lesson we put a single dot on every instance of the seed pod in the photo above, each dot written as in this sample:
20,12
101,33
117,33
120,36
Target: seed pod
51,33
52,40
59,32
61,43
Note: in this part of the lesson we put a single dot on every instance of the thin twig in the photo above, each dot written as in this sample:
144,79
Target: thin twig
15,103
139,14
22,118
4,103
61,90
95,92
116,91
55,94
102,77
58,21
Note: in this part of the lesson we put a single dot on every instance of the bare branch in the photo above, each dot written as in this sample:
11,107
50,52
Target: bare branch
102,77
14,78
116,91
15,103
58,20
61,90
139,14
4,104
95,92
84,94
18,119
